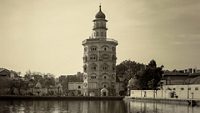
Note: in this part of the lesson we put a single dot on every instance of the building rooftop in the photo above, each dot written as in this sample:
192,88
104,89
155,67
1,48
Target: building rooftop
175,74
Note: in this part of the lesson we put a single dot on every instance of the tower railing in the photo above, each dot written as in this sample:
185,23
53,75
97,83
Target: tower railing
100,39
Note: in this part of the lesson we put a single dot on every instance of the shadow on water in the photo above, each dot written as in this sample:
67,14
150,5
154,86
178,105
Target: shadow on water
92,107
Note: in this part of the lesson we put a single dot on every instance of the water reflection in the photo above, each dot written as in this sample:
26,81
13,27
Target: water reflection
147,107
92,107
62,107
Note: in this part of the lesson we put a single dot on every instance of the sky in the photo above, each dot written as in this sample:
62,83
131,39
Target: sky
46,35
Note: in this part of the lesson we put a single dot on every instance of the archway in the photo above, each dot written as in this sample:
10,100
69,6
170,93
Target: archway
104,92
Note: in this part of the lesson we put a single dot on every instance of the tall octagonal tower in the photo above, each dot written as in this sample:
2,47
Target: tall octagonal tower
99,60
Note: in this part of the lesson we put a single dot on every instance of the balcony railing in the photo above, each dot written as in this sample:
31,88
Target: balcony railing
100,39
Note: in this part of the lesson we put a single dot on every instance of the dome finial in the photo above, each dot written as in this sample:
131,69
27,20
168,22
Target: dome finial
100,7
100,14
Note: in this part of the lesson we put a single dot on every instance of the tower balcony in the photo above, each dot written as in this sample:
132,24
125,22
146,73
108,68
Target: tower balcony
102,27
93,40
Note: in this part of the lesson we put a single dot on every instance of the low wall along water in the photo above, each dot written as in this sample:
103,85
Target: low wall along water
170,91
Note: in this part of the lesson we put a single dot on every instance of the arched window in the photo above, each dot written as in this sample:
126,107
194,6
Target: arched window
93,76
93,48
113,48
93,57
85,68
105,84
85,59
104,76
93,67
105,48
105,56
105,67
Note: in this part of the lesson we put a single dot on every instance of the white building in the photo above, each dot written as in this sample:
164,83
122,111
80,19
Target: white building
75,88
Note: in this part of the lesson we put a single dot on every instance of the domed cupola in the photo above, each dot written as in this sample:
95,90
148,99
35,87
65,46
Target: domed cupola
100,14
99,28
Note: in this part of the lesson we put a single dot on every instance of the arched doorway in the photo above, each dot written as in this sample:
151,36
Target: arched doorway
104,92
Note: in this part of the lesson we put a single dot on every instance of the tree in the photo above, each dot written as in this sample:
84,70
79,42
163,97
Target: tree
49,82
46,80
151,76
31,84
5,84
64,82
127,70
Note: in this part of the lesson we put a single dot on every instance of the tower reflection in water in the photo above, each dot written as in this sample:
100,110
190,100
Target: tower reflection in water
62,107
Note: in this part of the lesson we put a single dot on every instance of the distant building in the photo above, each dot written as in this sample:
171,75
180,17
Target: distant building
99,60
8,73
4,72
75,88
181,77
75,78
38,89
174,78
72,85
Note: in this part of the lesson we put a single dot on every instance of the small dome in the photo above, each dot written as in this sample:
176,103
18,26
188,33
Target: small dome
132,82
100,14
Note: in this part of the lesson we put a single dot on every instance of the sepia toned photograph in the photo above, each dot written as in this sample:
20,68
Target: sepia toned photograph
99,56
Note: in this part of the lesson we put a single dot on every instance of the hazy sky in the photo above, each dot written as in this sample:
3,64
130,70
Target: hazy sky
46,35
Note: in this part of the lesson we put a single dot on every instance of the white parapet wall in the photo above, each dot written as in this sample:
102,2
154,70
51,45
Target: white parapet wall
147,93
183,91
170,91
